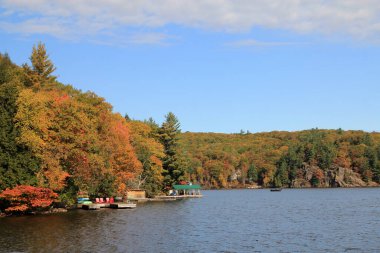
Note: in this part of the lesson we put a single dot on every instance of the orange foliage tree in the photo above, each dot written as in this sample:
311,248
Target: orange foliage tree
35,119
123,162
150,153
25,198
77,136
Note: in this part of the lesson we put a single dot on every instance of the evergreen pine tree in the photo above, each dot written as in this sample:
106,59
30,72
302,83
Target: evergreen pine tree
41,63
281,177
42,67
252,174
168,134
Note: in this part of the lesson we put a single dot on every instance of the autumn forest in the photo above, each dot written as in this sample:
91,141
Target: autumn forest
57,141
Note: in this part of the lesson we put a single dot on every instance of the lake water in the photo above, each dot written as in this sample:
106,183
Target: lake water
312,220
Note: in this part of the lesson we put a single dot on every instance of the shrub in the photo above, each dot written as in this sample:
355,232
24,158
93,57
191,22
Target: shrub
25,198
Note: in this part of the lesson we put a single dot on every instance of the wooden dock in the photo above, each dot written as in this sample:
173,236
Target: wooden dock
97,206
178,197
91,206
123,205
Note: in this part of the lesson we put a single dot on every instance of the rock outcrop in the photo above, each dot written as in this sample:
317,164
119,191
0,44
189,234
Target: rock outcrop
343,177
334,177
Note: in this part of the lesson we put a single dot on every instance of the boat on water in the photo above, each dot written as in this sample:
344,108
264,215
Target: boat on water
276,189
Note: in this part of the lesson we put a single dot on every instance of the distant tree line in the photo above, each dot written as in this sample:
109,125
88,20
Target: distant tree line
278,159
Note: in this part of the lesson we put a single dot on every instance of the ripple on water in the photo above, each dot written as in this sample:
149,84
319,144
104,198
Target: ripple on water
327,220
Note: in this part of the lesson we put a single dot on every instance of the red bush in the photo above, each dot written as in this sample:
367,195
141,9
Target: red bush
24,198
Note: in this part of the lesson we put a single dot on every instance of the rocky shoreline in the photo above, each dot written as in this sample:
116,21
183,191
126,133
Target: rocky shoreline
335,177
50,211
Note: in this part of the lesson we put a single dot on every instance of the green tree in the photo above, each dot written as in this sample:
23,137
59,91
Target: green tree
8,70
18,165
376,173
326,154
370,154
281,177
252,174
42,67
168,134
41,63
293,161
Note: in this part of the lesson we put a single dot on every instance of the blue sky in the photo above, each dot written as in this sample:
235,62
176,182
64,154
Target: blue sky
220,66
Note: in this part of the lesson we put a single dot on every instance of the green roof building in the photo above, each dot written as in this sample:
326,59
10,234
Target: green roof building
187,190
187,187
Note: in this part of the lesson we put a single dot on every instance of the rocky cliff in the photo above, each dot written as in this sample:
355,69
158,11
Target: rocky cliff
313,176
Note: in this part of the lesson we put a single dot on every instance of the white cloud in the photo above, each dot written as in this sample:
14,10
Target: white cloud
136,38
37,25
256,43
358,19
148,38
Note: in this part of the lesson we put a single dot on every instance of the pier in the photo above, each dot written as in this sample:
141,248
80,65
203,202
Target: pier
183,191
123,205
96,206
179,192
174,197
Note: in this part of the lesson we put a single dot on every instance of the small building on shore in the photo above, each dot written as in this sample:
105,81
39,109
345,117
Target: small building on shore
136,194
187,190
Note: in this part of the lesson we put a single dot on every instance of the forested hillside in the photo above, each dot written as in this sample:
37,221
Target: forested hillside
57,138
313,158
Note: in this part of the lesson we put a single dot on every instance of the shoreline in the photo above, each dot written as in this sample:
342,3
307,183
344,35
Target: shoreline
146,200
268,188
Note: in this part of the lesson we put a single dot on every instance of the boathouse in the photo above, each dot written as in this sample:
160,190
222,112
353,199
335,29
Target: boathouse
187,190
